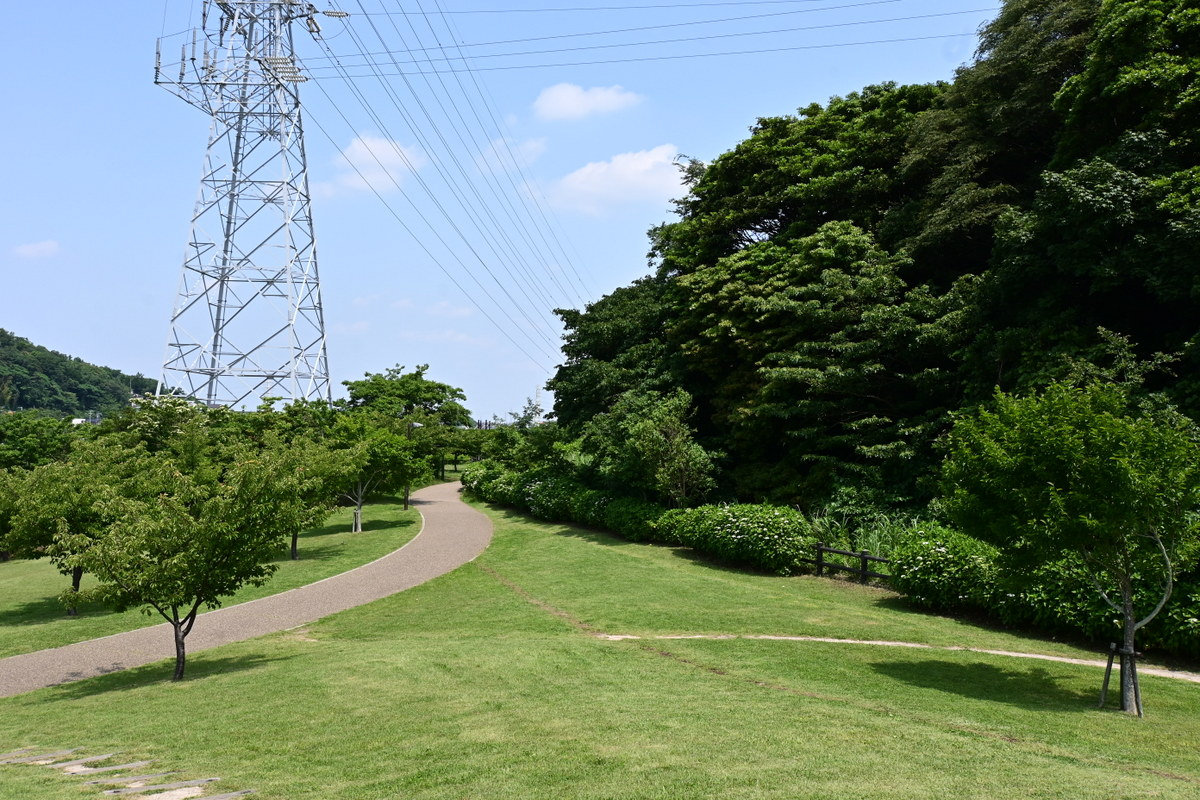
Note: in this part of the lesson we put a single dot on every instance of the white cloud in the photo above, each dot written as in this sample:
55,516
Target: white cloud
36,249
444,309
569,101
372,162
644,176
499,155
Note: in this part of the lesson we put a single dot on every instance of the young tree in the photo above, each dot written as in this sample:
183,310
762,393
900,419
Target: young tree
196,538
645,442
60,499
382,459
1085,472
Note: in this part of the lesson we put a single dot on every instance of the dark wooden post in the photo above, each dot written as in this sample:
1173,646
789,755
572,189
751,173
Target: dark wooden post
820,557
863,557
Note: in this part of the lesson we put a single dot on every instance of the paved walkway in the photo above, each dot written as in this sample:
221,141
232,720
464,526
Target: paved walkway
453,534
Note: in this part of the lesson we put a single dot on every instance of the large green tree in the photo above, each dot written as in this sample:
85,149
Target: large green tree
29,439
1084,472
395,393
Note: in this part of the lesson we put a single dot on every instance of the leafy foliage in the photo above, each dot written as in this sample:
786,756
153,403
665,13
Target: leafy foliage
769,538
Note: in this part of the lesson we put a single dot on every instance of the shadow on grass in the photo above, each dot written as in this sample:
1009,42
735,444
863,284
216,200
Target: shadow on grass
1033,687
199,667
39,611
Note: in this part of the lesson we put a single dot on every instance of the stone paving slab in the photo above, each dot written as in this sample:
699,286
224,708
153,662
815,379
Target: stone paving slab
453,534
160,787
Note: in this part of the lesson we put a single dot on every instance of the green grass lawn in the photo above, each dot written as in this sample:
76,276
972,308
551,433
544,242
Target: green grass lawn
490,683
32,618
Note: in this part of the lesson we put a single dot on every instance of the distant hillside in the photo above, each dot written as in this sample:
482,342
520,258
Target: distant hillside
34,377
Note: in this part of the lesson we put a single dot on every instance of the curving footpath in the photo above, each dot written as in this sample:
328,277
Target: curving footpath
453,534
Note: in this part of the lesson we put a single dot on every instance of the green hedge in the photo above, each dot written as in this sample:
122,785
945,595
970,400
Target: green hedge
942,569
770,538
945,570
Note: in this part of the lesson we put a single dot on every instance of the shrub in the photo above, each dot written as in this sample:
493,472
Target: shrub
674,526
588,507
633,519
548,494
943,569
1177,628
770,538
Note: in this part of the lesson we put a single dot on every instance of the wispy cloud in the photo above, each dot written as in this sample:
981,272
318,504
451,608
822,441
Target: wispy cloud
445,309
372,163
569,101
501,153
598,187
36,249
351,328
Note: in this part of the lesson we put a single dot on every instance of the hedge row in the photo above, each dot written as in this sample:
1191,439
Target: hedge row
945,570
766,538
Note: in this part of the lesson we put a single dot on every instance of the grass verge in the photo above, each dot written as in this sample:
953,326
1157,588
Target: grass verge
490,683
32,618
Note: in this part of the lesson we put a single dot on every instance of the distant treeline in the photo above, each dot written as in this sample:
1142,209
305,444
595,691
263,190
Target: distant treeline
32,377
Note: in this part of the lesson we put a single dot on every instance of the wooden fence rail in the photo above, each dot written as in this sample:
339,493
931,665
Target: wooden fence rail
861,571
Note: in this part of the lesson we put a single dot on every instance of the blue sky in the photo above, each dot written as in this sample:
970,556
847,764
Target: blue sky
103,166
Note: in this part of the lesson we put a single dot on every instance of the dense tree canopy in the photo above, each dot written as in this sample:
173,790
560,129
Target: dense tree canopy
841,281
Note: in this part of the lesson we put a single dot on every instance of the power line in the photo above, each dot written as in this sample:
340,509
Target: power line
525,285
572,9
440,207
644,59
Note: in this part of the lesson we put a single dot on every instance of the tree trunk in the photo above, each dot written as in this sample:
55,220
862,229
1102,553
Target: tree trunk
1131,702
180,652
76,579
357,519
295,545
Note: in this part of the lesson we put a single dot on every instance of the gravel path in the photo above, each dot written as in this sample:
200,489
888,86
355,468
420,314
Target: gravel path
452,534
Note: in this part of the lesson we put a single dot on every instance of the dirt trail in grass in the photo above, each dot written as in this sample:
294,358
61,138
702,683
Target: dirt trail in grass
617,637
1142,670
452,534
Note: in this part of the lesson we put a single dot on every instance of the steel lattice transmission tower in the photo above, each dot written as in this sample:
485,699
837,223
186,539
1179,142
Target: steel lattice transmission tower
247,321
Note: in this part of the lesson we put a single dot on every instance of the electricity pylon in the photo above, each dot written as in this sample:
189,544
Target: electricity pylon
247,321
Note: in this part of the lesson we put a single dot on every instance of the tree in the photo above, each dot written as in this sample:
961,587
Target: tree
61,499
396,393
616,344
29,439
382,459
645,442
190,538
1083,471
979,150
